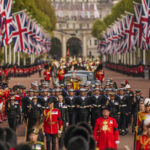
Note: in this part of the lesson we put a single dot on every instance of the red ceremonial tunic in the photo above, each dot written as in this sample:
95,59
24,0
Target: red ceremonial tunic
143,143
52,121
60,74
47,75
106,133
18,99
100,75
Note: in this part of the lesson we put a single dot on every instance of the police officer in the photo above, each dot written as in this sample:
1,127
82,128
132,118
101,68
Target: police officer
12,112
71,105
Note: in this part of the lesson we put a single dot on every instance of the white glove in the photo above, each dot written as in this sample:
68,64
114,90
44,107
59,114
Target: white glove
59,131
117,142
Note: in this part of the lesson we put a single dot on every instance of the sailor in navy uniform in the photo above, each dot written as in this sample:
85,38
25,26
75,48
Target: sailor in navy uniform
71,104
96,105
61,105
83,104
124,110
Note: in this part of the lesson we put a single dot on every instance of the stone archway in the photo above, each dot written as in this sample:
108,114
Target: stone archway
75,46
56,48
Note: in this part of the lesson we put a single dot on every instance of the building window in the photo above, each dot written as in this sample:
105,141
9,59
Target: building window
60,25
73,25
80,26
90,42
87,25
95,42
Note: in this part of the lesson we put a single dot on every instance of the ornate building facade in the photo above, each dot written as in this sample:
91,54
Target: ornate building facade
75,19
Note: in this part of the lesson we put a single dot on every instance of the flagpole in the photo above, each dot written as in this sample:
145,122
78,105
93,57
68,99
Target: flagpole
14,56
14,14
10,54
5,52
144,57
18,58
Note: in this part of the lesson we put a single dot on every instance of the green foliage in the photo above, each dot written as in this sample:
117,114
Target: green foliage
41,10
97,28
117,10
55,48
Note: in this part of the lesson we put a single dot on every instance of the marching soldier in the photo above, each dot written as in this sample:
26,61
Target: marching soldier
114,107
123,111
82,104
60,74
61,105
142,116
26,101
13,113
71,104
52,124
47,75
143,142
135,106
44,99
96,106
34,113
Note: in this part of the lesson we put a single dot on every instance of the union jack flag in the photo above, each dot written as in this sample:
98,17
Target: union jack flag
137,24
129,31
6,21
30,37
20,33
145,23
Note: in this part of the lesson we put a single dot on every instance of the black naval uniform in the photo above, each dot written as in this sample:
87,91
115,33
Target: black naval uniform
25,103
44,102
123,113
96,104
136,109
72,110
83,110
13,113
64,115
114,109
33,114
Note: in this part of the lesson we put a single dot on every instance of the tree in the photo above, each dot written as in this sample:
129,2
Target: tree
97,28
118,10
41,10
55,48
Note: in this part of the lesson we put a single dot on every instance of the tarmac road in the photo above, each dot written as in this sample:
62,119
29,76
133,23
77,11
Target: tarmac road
126,142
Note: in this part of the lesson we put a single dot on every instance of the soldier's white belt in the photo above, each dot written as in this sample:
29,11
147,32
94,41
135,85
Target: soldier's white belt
71,106
44,107
83,107
123,105
96,105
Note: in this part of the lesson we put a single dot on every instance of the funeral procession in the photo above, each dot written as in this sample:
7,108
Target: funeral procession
74,74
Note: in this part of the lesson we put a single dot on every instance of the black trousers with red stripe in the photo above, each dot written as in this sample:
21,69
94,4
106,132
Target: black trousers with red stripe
51,140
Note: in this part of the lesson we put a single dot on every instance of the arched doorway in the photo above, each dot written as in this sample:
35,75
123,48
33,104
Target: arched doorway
56,47
75,46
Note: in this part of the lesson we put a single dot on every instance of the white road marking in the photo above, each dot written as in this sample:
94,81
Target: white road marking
127,147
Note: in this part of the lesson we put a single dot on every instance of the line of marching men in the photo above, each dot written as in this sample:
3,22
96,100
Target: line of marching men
85,104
